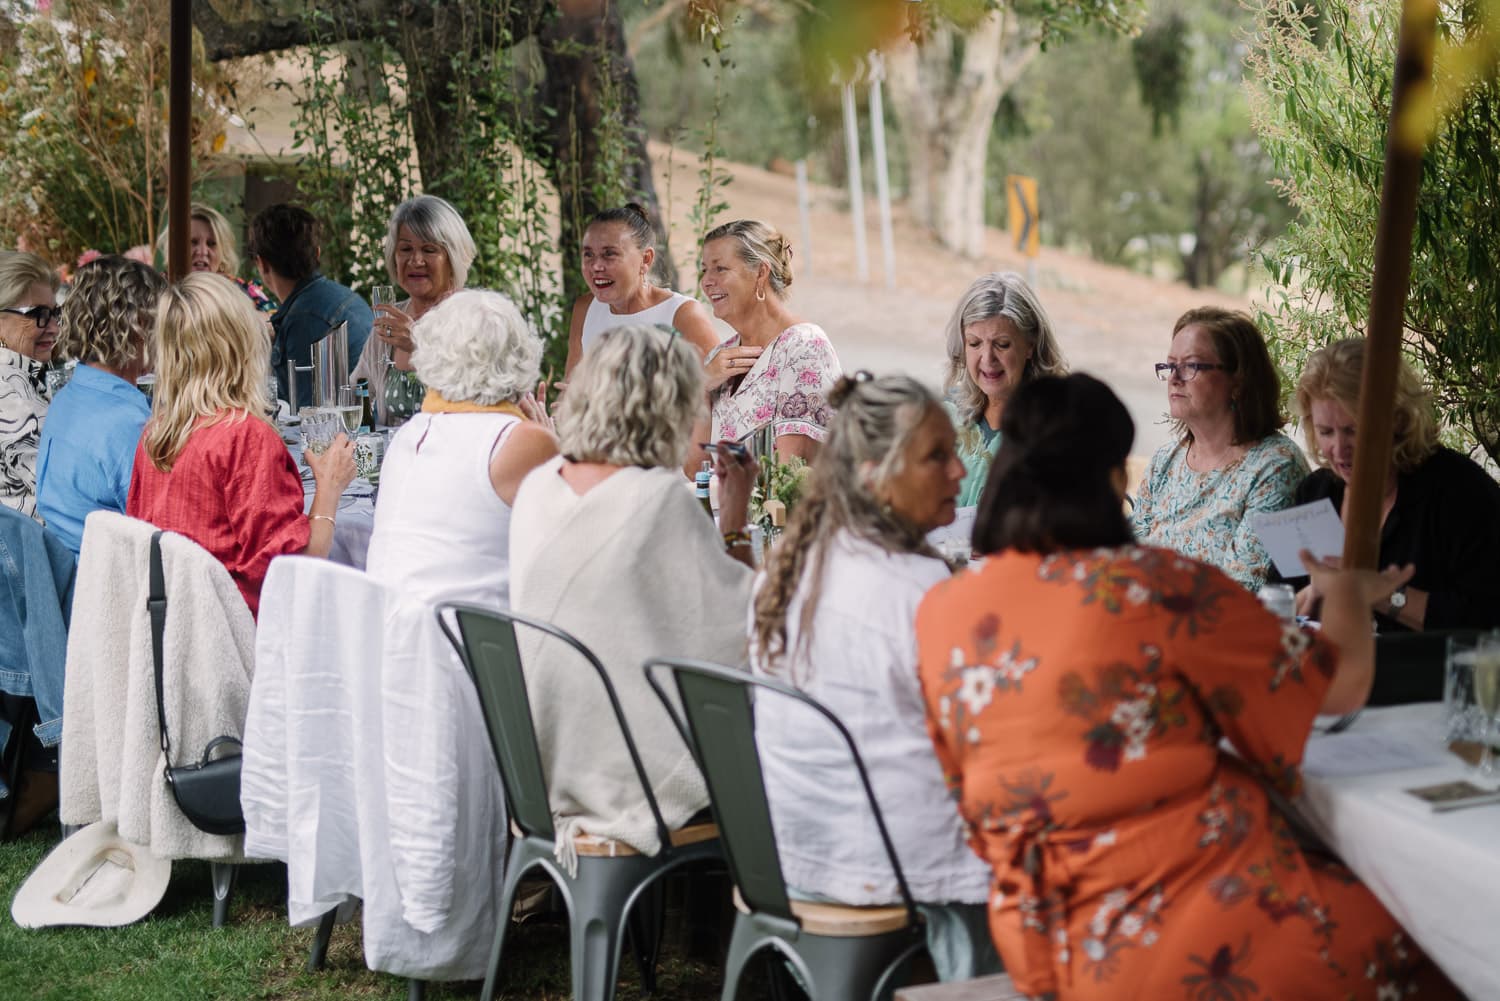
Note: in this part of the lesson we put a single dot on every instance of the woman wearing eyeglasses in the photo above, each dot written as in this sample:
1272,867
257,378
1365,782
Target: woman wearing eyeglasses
28,330
1230,459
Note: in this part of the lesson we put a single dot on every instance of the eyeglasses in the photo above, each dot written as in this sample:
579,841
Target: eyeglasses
40,315
1187,371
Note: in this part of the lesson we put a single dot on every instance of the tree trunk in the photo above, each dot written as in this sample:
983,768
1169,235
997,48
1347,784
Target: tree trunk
591,88
946,114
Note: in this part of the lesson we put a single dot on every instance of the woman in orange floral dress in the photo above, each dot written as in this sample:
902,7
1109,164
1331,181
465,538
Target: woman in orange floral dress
1078,688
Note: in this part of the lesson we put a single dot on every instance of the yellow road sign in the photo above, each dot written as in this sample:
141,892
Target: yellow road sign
1022,213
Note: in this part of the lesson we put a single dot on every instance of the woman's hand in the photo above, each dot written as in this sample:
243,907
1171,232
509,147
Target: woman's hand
334,469
736,481
727,364
534,406
393,327
1368,587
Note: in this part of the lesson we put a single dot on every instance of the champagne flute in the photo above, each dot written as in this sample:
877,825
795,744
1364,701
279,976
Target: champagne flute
1487,697
349,409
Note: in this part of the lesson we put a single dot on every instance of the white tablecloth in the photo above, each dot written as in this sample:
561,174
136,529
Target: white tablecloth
1437,873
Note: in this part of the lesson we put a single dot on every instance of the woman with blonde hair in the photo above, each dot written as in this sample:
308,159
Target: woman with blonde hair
1440,511
212,248
210,466
834,616
28,331
94,425
607,543
998,337
776,370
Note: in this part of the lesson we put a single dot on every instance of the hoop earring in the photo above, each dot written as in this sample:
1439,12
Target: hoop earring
760,295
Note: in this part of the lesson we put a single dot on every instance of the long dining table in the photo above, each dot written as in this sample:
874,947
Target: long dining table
1438,873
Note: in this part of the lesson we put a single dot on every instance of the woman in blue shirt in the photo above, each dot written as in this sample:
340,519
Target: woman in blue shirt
88,444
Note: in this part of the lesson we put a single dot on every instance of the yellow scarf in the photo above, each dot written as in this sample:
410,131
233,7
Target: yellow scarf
436,403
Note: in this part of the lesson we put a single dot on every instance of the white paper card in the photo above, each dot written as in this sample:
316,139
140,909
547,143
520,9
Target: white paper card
1315,527
1371,753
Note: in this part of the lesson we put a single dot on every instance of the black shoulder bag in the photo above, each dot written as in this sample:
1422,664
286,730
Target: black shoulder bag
208,793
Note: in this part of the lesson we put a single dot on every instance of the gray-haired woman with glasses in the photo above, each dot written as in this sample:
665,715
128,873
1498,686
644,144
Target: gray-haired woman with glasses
1230,459
28,330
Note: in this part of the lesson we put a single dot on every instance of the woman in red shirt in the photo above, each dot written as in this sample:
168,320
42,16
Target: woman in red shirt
209,465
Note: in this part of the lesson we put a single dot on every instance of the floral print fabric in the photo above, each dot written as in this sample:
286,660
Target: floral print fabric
788,386
1077,703
1206,515
23,408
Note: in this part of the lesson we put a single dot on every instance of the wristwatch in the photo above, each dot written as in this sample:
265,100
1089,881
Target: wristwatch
1397,600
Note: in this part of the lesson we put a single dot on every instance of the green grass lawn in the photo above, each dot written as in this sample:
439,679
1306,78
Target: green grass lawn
177,954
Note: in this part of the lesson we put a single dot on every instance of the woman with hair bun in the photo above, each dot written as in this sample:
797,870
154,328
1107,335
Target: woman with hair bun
1440,511
833,616
776,369
619,247
1078,691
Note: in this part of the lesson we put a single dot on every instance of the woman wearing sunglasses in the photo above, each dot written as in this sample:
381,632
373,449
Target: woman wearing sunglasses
1230,459
28,330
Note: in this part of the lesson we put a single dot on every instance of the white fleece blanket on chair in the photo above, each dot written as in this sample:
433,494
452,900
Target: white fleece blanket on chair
112,763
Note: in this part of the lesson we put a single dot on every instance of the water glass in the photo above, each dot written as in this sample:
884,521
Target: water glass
320,426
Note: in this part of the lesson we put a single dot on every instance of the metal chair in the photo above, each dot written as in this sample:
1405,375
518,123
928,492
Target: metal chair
617,892
840,953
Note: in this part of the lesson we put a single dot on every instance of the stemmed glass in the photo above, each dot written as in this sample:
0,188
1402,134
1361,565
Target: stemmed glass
1487,698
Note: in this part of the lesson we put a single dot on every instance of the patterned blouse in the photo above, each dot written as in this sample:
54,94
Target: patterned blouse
977,447
1205,515
23,408
788,386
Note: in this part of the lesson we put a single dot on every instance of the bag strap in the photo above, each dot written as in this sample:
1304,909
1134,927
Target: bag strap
156,606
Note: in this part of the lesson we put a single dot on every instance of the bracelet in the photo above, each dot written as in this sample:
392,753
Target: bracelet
733,539
322,517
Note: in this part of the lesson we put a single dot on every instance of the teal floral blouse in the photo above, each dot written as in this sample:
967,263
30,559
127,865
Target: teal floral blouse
975,452
1205,515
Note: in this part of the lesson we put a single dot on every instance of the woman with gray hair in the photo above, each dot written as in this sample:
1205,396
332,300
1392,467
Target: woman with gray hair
998,337
452,472
608,543
28,330
93,426
428,251
835,616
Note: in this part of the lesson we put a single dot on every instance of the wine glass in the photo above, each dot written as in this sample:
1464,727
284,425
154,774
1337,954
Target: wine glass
349,409
383,295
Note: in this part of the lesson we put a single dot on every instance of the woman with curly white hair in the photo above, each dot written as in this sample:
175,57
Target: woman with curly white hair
608,543
998,338
452,472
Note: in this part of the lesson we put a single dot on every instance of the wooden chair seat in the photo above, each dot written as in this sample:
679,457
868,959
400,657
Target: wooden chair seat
996,988
838,920
593,846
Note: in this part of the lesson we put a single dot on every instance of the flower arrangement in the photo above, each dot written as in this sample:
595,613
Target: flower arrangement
777,490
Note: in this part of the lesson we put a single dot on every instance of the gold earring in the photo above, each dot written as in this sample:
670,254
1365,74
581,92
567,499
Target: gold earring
760,295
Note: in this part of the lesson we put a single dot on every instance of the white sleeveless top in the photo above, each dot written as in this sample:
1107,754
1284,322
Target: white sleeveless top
440,532
598,319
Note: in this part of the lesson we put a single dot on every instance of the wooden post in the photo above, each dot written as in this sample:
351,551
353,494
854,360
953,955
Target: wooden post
179,135
1392,281
856,184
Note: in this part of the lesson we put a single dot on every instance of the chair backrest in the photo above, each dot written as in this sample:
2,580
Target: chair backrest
717,719
486,643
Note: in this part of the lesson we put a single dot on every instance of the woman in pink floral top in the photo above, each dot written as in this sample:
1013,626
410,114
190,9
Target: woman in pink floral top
775,369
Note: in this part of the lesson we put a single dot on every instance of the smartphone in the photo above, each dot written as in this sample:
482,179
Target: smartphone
732,447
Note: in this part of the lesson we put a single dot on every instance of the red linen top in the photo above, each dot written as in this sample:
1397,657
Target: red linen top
234,490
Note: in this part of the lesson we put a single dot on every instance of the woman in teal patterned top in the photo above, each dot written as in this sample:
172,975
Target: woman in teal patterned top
998,337
1230,460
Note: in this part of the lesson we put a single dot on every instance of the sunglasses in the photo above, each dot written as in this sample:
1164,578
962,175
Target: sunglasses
40,315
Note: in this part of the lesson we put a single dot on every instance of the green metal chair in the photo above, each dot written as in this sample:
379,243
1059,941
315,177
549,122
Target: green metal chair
617,892
840,953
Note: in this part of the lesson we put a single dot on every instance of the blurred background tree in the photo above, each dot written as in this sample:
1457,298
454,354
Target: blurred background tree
1321,102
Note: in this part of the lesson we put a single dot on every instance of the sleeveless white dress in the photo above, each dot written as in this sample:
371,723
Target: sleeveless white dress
440,532
599,318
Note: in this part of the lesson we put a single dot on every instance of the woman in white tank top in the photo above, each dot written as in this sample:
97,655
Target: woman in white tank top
618,248
442,522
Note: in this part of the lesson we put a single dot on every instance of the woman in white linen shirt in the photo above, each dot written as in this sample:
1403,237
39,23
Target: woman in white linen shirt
834,615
